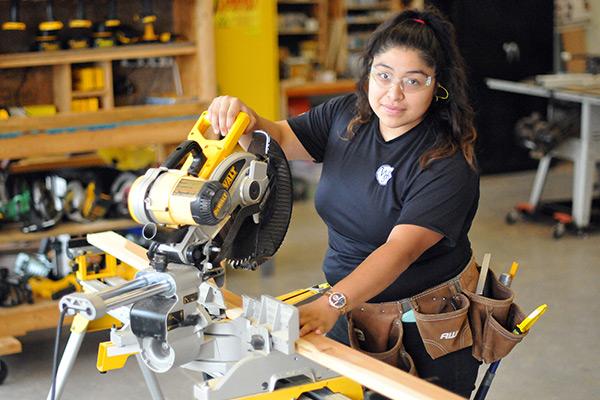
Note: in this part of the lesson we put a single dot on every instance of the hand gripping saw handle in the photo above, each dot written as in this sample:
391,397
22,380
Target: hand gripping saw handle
215,151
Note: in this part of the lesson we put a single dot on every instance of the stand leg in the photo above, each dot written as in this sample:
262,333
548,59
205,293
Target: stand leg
583,175
150,379
78,330
539,181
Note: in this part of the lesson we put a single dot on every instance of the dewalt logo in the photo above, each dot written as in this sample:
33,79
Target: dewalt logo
220,203
231,175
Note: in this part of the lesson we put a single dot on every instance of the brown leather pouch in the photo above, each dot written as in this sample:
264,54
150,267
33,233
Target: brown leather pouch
493,317
443,322
376,330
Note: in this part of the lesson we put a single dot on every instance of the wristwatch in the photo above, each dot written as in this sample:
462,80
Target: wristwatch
338,301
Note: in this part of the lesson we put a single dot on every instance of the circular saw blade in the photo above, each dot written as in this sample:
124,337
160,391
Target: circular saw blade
254,243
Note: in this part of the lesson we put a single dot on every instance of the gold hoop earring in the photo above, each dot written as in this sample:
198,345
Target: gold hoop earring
445,96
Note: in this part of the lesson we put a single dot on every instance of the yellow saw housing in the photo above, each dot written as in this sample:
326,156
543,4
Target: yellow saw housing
168,196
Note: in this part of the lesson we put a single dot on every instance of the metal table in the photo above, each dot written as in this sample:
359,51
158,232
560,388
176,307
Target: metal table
583,151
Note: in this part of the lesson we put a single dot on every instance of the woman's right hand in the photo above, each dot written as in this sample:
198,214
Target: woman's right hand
222,113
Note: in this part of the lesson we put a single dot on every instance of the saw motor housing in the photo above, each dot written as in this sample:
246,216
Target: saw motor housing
187,196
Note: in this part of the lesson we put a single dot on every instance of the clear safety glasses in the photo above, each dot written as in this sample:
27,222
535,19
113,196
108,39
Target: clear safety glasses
409,84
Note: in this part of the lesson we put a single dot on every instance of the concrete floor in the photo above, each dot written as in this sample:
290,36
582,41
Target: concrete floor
558,360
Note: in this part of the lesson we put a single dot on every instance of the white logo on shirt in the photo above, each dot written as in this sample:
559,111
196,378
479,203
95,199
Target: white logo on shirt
384,174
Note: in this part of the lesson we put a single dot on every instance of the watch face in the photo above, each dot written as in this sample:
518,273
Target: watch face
337,300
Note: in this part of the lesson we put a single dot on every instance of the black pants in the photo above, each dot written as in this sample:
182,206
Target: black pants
455,372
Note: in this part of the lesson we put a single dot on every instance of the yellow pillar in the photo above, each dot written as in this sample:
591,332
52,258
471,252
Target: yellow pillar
247,53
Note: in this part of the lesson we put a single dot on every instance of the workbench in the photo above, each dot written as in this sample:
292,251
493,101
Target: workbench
583,151
19,320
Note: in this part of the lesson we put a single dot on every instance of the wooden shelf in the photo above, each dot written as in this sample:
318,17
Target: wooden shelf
298,31
377,6
365,21
36,59
95,120
88,93
53,163
297,1
83,132
73,228
17,321
302,89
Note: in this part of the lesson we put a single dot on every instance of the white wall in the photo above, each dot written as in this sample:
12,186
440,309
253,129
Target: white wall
593,30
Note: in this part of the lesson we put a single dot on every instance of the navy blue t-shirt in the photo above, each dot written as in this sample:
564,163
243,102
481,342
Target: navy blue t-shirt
368,186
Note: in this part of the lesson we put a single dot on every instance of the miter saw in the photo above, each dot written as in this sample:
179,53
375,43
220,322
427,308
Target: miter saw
210,205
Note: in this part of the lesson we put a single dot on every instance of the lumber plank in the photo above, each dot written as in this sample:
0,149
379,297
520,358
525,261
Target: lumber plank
125,250
9,345
376,375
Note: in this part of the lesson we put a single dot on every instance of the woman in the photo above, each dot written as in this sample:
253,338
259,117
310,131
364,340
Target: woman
399,186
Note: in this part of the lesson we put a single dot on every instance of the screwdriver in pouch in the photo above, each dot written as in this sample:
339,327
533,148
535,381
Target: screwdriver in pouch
506,279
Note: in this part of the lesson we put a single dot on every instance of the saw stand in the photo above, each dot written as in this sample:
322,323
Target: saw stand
248,354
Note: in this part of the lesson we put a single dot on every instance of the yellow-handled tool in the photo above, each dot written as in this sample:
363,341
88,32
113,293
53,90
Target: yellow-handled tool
216,150
531,319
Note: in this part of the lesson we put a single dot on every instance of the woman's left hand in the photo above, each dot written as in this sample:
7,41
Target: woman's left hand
318,317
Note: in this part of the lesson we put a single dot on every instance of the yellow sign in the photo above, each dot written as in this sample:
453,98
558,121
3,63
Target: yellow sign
238,13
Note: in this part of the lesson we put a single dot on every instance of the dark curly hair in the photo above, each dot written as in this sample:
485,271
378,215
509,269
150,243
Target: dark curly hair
432,35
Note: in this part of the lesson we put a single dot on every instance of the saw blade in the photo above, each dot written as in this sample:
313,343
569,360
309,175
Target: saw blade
253,243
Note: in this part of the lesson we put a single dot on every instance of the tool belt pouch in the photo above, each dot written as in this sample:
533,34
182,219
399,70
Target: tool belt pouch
376,330
493,317
442,320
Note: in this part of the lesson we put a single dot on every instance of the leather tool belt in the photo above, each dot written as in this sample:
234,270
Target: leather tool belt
449,316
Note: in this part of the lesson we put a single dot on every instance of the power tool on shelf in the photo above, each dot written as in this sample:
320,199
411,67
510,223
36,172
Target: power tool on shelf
47,37
210,205
15,207
105,31
79,29
147,19
13,33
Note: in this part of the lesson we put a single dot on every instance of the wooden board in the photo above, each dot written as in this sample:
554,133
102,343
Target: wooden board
9,345
125,250
17,321
89,140
574,42
72,228
95,120
318,88
32,59
357,366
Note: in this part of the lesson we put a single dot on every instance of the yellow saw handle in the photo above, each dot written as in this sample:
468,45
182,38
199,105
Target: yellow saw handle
216,151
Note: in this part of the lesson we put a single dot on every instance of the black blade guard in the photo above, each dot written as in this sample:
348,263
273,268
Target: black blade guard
253,243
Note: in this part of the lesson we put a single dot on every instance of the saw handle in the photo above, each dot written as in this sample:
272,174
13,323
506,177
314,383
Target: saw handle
185,148
217,150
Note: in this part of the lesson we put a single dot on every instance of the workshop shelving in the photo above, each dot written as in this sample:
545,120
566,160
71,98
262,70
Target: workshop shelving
71,228
359,19
59,57
302,34
67,133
